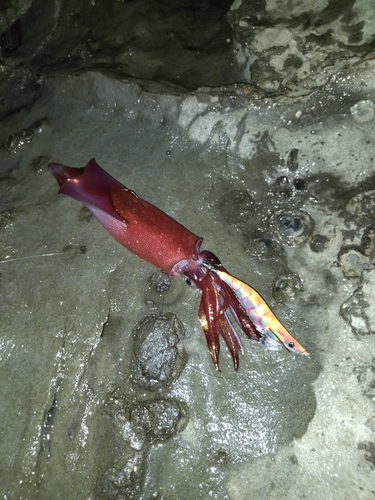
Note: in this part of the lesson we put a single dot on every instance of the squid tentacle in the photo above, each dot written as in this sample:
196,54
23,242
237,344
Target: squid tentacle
214,319
209,312
237,339
231,339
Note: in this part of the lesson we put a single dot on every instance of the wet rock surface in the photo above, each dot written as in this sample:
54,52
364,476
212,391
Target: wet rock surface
178,47
167,45
95,312
237,207
100,403
287,43
161,291
287,287
319,243
155,420
158,286
137,425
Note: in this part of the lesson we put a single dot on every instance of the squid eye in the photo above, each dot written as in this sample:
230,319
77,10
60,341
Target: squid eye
291,345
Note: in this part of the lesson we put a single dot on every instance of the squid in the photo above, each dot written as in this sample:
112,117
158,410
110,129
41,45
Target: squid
162,241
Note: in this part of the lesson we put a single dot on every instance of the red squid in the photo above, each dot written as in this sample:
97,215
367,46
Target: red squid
157,238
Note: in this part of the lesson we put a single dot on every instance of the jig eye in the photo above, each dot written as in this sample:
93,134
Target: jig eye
188,281
291,345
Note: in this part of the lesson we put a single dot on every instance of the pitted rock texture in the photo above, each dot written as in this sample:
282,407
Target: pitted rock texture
136,425
292,46
358,310
158,355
